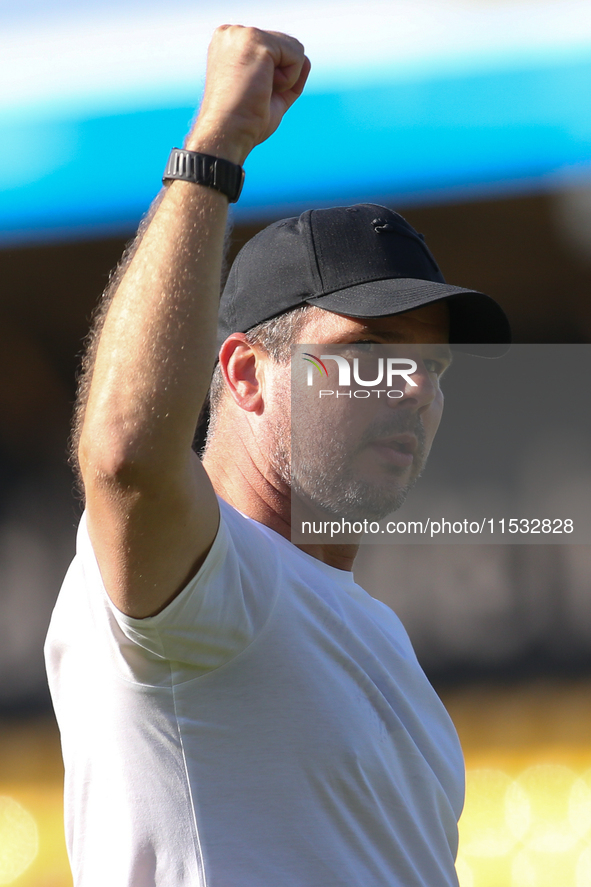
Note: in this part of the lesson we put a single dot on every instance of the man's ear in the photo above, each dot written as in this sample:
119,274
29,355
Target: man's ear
240,363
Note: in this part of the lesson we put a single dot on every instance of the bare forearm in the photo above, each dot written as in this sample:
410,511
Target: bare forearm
157,347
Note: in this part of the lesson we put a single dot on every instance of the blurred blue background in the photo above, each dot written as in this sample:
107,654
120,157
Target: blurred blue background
416,101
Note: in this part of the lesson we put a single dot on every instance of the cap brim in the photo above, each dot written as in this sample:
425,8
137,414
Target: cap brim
475,319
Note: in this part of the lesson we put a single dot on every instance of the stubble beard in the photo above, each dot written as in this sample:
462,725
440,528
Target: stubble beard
319,469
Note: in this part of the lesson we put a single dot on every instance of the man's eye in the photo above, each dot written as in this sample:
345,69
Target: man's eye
364,346
434,366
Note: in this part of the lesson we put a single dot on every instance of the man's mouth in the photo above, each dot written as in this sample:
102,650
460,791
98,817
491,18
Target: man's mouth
398,450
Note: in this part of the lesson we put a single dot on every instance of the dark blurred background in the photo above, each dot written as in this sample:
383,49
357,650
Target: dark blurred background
490,608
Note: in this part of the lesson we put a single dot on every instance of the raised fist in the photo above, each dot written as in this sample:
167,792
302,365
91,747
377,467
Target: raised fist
253,77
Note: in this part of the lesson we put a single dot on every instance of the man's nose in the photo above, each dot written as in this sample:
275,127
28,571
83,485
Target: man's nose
421,395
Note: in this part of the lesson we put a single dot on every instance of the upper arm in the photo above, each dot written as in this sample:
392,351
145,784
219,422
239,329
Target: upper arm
151,536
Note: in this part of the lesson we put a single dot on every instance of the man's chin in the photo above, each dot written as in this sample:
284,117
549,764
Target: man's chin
366,502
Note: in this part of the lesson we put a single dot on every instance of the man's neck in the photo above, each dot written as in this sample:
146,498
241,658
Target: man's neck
268,501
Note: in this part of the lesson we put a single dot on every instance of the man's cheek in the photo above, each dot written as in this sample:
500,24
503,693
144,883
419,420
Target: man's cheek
432,419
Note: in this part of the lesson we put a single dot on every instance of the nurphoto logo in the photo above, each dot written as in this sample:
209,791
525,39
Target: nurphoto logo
386,370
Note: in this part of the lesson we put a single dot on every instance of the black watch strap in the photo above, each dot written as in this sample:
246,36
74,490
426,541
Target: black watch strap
203,169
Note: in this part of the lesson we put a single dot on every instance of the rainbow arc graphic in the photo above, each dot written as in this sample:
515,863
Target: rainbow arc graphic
315,361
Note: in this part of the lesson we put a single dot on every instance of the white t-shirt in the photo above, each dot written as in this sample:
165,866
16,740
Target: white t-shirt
270,728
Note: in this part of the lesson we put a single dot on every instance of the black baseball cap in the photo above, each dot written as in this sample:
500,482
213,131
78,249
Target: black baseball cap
360,261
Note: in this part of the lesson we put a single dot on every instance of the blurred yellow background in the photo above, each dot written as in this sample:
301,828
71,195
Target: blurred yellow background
32,846
527,818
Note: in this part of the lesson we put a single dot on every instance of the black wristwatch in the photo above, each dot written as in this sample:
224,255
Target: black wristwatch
203,169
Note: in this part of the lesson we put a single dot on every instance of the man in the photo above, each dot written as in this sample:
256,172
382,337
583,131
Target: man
236,711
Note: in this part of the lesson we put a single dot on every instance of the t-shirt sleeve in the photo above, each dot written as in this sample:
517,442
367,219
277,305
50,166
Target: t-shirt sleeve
215,617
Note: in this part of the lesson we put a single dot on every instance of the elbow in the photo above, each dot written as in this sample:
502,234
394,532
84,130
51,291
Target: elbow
105,459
